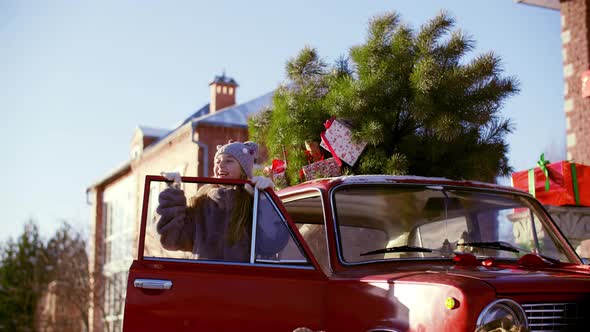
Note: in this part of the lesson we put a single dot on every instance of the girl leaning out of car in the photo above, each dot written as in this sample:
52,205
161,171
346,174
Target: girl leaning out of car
217,222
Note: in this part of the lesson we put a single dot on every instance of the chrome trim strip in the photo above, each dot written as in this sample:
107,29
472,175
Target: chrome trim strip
548,304
553,316
152,284
548,324
203,261
283,261
254,224
301,194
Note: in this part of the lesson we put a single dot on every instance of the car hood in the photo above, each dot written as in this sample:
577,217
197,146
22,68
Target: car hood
504,280
515,280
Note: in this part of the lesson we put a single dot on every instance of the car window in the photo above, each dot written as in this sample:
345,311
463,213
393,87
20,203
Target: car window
377,222
275,244
308,214
214,222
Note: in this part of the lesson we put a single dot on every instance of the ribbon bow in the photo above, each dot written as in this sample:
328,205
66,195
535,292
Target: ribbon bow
278,166
543,166
327,125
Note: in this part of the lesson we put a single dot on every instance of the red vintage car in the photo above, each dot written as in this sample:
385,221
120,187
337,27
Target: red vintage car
368,253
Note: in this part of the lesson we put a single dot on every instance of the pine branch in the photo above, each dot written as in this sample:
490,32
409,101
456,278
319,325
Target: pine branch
306,67
432,31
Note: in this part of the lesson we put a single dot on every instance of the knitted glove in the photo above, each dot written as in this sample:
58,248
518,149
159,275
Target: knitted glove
174,177
260,182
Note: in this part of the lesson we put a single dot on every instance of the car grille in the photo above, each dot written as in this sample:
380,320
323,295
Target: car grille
554,316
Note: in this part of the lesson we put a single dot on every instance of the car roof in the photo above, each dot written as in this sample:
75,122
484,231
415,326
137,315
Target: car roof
328,183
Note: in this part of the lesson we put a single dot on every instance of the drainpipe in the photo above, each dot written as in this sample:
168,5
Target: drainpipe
205,148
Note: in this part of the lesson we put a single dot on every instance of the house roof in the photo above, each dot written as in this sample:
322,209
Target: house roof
236,115
153,132
114,173
199,113
232,116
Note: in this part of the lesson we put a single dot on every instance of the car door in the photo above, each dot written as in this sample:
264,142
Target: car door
182,291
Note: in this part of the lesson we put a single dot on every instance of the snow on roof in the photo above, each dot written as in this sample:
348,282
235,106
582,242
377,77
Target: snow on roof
199,113
236,115
232,116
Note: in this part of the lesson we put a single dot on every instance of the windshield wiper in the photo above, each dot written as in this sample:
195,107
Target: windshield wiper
397,249
501,245
497,245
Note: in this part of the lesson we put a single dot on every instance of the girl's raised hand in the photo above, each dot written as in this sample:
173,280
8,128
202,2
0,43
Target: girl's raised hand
262,182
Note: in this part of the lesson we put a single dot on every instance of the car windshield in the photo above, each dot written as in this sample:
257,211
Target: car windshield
383,222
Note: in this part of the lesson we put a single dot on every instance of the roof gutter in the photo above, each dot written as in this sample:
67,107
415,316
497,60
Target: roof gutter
549,4
205,148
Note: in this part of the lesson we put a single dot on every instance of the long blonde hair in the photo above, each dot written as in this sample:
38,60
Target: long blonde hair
241,218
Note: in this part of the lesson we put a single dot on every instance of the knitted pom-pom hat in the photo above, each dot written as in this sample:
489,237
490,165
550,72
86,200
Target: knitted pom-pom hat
245,153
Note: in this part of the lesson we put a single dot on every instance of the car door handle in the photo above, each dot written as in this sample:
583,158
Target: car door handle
152,283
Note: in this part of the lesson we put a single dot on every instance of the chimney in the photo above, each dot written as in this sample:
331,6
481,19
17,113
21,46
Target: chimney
223,93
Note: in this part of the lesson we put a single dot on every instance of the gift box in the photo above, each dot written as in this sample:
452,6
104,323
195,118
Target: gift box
312,151
560,183
277,173
337,139
321,169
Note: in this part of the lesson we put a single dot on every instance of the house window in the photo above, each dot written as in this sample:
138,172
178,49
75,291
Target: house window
118,254
225,90
117,233
231,91
218,89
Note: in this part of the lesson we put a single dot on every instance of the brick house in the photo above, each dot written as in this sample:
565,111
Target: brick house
116,198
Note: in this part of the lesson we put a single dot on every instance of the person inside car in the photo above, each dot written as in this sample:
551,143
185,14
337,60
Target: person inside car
217,222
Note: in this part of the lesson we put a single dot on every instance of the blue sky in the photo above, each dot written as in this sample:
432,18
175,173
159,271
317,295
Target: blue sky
77,77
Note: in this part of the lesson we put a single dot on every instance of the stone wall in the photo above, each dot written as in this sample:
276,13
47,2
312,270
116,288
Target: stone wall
574,223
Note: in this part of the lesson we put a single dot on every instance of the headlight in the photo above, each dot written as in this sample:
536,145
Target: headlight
502,313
